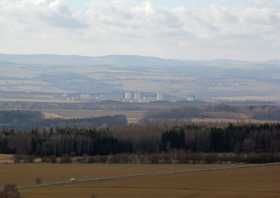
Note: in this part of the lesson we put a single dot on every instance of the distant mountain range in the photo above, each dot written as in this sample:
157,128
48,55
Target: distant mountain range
118,60
62,60
213,79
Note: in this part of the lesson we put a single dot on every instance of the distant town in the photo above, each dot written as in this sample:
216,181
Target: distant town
122,96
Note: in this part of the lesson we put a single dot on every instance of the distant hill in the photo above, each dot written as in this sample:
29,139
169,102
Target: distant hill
230,80
73,60
27,120
118,60
217,113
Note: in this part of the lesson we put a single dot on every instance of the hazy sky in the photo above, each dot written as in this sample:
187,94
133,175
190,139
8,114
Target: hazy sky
184,29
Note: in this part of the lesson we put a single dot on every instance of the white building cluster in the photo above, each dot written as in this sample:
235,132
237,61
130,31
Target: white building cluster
141,97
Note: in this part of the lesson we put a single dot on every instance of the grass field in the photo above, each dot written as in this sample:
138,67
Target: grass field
261,182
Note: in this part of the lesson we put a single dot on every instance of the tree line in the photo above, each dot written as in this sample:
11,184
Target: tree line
250,138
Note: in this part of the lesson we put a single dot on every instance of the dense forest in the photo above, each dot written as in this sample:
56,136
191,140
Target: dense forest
189,139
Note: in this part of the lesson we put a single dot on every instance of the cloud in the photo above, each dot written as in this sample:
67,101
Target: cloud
49,12
203,22
141,26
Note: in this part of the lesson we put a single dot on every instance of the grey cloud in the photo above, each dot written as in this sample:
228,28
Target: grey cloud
208,22
64,18
31,12
119,22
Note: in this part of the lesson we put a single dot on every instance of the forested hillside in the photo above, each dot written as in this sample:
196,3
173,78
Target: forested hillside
28,120
217,111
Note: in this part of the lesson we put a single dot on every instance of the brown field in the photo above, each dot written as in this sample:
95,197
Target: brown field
261,182
6,159
232,121
25,174
132,116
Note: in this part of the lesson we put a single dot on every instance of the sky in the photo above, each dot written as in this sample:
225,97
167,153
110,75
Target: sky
181,29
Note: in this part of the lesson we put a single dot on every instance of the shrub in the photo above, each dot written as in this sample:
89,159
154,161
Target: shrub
9,191
38,181
66,159
93,196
